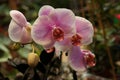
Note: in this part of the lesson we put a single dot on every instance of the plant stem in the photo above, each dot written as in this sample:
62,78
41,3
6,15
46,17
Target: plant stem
109,54
82,8
105,40
12,4
46,73
74,75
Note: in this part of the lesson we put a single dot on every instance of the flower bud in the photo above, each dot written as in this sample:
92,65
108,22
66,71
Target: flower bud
33,59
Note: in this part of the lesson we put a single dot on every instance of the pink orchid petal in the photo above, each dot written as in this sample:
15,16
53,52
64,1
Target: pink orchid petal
65,19
26,36
18,17
14,31
63,46
41,31
76,59
85,30
45,10
17,33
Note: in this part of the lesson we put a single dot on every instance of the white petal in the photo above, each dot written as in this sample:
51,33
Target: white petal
18,17
14,31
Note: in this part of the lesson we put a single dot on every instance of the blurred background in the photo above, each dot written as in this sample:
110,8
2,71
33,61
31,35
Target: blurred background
104,15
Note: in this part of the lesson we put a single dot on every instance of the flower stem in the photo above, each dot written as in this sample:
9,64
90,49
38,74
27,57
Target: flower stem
74,75
33,48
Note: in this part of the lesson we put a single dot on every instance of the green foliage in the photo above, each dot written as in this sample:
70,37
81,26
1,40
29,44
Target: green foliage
24,51
4,51
4,14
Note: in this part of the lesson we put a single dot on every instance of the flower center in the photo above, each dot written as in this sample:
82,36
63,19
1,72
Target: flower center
90,59
76,40
58,34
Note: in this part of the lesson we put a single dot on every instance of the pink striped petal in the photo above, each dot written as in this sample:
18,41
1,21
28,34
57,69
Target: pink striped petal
18,34
65,19
63,46
45,10
76,59
42,32
85,30
19,18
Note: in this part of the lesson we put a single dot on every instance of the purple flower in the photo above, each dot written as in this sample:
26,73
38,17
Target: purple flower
53,25
85,32
19,28
58,28
83,36
79,60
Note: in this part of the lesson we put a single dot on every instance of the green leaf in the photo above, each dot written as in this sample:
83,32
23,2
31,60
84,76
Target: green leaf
4,53
23,52
4,40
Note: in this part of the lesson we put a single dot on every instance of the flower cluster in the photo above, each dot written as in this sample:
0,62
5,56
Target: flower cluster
58,28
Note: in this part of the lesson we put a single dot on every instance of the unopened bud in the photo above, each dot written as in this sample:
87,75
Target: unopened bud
33,59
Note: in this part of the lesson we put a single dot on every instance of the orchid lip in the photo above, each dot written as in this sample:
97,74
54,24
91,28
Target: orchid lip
76,40
90,60
58,34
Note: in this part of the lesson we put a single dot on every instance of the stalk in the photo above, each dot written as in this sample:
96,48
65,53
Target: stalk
82,9
74,75
105,39
13,4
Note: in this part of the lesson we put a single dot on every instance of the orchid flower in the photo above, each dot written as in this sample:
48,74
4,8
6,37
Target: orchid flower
58,28
53,25
80,60
83,35
19,28
85,32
